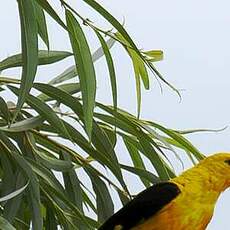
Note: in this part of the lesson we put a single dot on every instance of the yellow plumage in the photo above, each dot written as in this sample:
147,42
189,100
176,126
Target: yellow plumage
186,202
200,188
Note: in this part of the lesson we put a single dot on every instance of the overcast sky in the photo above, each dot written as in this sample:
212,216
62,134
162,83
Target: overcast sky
194,36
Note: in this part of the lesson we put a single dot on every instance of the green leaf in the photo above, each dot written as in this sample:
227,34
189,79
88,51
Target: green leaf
33,188
140,72
45,57
29,42
129,42
42,27
4,224
48,8
138,87
136,158
24,125
154,55
34,194
104,201
13,194
71,72
4,112
113,21
69,88
85,68
110,64
45,111
101,141
180,139
61,96
147,144
72,185
143,73
51,222
13,206
143,174
150,152
50,161
47,175
88,202
8,179
101,157
190,131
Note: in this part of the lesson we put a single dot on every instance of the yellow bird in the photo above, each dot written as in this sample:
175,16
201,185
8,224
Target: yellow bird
186,202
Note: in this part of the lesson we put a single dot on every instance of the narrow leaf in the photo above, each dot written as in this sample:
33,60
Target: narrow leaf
71,72
45,57
13,194
29,42
143,174
180,139
104,201
45,111
136,158
72,185
48,8
154,55
4,112
23,125
110,64
4,224
42,27
85,68
69,88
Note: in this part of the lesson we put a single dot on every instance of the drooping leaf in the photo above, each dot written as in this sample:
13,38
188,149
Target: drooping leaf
96,6
4,112
33,188
72,185
29,43
104,201
86,70
110,64
70,101
42,26
48,8
140,71
136,158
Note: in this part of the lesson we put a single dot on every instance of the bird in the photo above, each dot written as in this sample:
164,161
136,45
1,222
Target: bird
185,202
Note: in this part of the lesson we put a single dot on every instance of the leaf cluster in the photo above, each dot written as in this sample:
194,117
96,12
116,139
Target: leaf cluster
43,179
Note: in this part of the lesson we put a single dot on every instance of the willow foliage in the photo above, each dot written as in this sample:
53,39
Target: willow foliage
58,155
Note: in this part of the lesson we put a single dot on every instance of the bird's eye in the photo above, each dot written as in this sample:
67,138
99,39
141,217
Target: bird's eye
227,162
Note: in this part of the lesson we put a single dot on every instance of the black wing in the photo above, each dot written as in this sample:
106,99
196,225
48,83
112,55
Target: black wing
143,206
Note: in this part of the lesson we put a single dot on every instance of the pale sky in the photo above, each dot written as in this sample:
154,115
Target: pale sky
194,36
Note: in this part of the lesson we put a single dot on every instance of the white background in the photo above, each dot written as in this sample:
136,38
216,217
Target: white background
194,36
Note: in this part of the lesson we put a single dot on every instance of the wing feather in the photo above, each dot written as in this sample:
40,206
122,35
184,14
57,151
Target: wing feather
143,206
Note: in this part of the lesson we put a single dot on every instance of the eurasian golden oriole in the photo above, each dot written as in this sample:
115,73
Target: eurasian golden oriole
183,203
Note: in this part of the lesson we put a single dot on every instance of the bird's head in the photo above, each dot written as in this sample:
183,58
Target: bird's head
218,168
